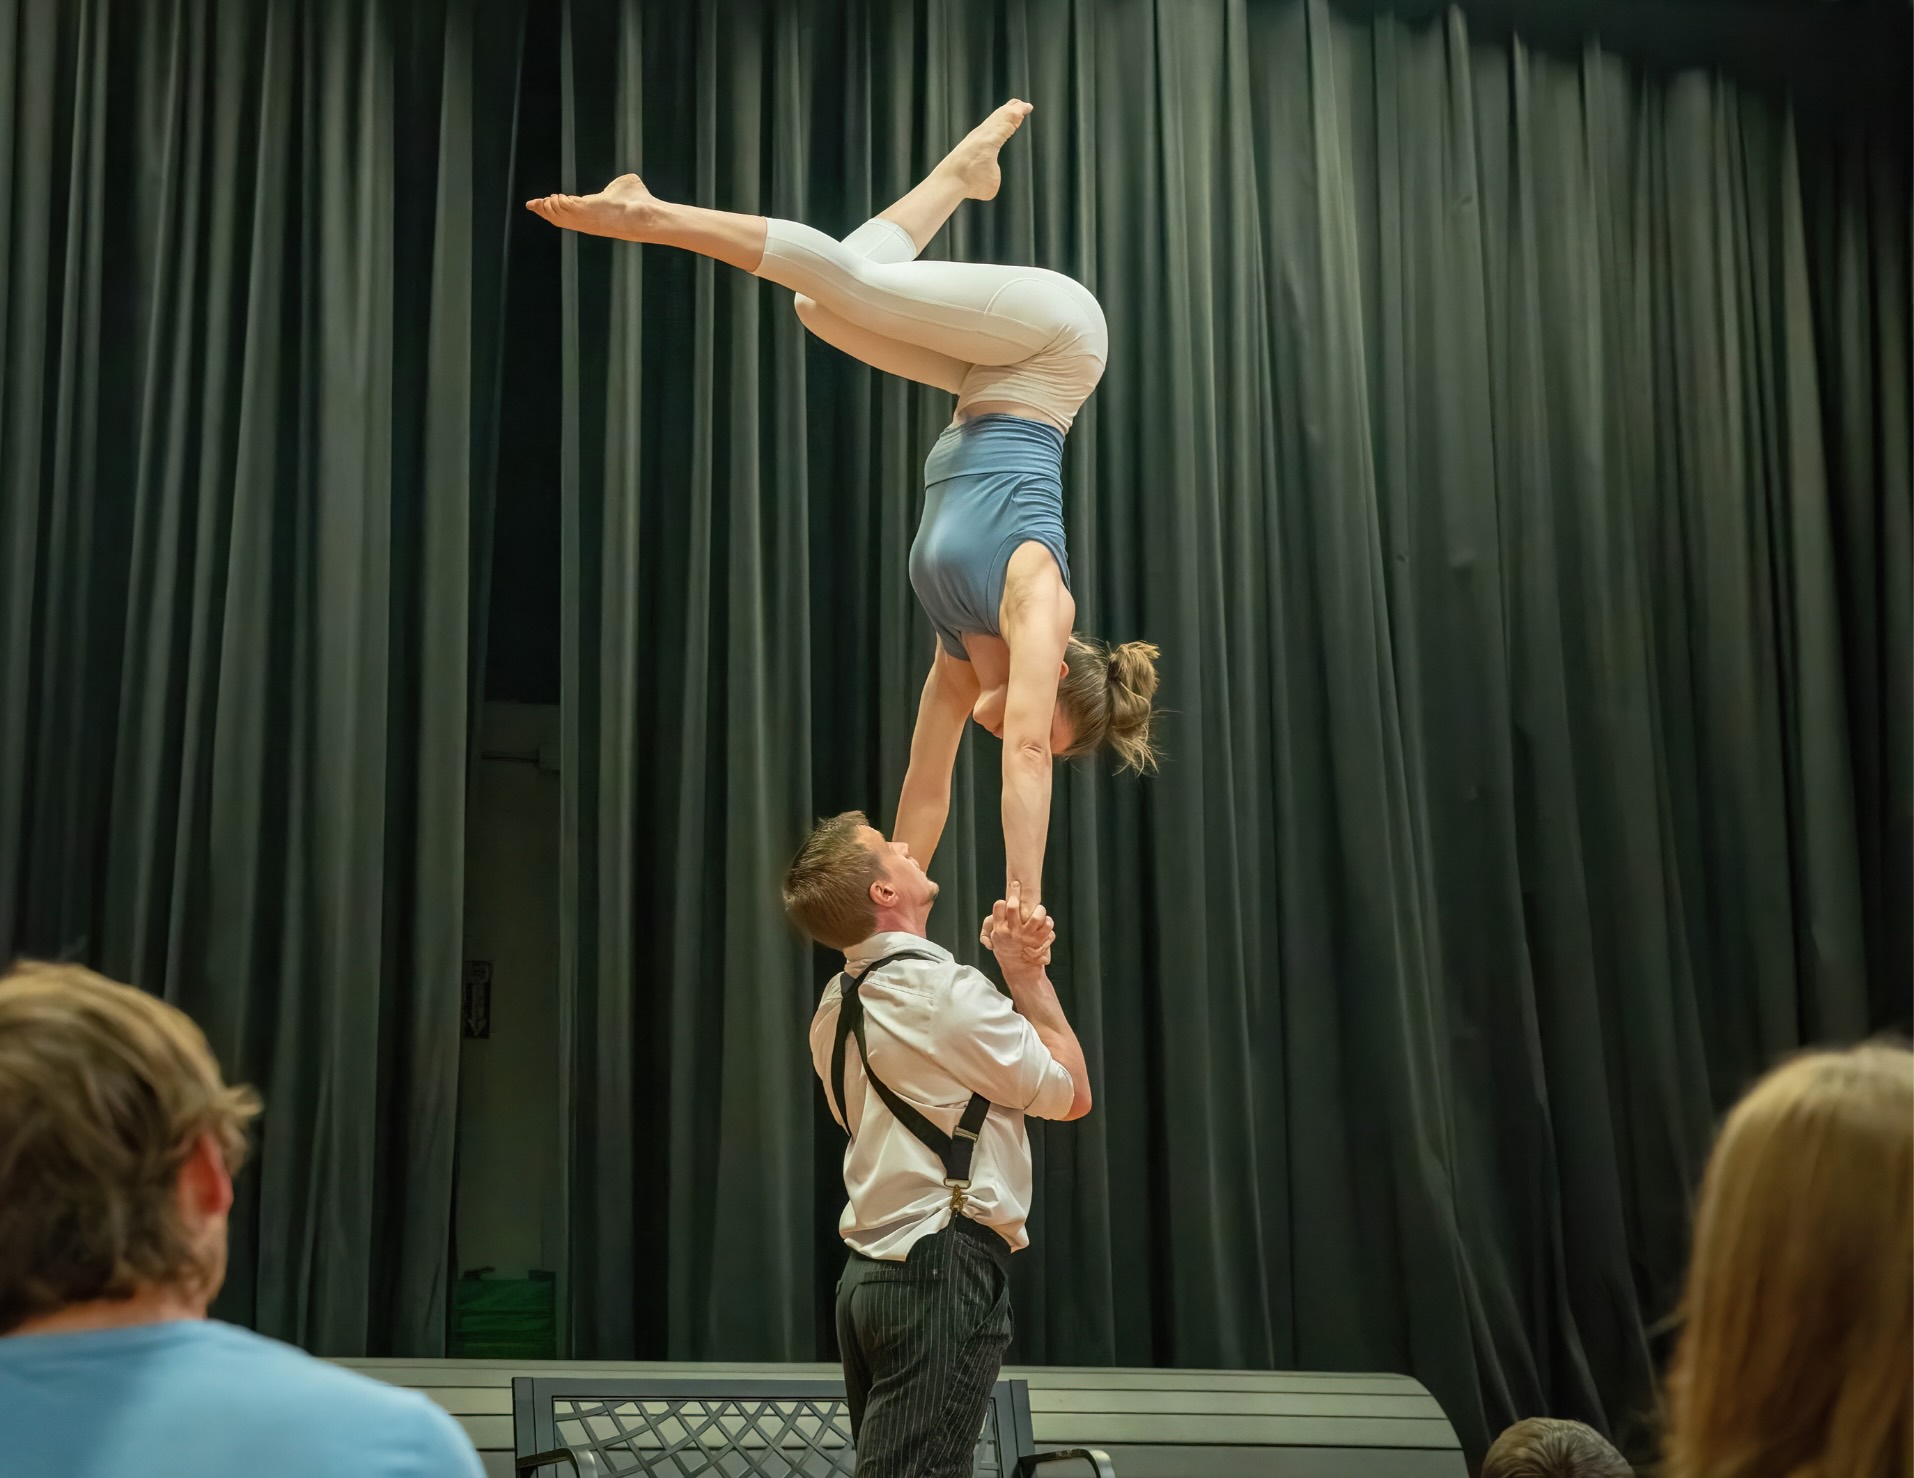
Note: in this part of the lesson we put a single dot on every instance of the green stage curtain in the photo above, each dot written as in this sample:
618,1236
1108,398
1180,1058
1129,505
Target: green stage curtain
251,263
1507,447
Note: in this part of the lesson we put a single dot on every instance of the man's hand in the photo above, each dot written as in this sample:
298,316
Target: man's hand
1021,944
985,934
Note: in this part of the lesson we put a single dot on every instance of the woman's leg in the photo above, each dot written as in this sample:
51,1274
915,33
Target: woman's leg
627,211
892,356
973,312
882,239
969,172
969,312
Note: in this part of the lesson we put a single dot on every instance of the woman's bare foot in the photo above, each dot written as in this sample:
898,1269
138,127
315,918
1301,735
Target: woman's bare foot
624,210
974,161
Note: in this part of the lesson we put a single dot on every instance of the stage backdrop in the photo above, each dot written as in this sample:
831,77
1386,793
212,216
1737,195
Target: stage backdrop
1509,452
1506,438
251,261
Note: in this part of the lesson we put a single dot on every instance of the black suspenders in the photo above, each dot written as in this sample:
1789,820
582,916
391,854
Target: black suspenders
954,1149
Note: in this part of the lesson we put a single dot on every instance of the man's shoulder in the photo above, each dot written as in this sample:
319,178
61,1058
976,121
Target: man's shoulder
948,999
934,980
228,1344
896,955
970,984
926,986
188,1395
341,1406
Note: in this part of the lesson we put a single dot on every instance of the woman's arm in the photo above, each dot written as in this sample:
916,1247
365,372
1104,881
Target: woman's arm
1037,630
950,692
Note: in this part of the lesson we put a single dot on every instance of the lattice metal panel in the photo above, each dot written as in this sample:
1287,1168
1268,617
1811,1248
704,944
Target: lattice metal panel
726,1437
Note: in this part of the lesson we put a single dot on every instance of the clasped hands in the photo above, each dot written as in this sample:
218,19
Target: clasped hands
1020,942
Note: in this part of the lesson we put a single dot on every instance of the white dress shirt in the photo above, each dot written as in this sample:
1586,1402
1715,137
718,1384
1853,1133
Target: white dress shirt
938,1031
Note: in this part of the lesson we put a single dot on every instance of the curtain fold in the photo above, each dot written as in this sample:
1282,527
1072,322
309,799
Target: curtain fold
253,265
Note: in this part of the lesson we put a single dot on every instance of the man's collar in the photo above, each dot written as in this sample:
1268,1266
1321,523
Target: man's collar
895,942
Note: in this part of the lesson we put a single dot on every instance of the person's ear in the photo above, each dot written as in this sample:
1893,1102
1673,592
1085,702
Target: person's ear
205,1184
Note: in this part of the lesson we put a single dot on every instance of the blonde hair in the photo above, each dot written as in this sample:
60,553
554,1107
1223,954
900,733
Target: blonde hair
827,891
1548,1447
1795,1356
1106,696
104,1092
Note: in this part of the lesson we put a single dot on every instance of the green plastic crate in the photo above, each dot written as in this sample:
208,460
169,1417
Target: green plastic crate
505,1318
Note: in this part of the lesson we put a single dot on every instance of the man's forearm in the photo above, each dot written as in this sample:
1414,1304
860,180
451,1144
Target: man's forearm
1036,1000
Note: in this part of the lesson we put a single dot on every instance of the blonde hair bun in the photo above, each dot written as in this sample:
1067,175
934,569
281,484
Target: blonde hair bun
1133,668
1132,680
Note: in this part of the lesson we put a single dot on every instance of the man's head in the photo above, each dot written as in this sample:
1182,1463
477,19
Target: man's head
847,883
1543,1447
118,1144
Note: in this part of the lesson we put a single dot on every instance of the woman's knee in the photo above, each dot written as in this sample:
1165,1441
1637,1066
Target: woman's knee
807,311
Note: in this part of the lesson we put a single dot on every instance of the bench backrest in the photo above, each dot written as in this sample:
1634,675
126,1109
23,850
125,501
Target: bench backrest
778,1428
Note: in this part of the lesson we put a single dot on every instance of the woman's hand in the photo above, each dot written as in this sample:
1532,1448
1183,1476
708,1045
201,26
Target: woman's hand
1020,942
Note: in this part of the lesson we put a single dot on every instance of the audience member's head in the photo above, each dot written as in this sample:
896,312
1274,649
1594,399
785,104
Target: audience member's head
1796,1355
118,1144
1543,1447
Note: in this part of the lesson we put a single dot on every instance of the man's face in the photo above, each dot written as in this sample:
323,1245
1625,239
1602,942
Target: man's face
911,885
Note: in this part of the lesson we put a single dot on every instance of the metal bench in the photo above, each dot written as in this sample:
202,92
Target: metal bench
763,1427
1154,1423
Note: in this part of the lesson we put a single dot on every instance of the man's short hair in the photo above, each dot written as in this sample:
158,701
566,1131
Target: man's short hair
1545,1447
104,1092
827,891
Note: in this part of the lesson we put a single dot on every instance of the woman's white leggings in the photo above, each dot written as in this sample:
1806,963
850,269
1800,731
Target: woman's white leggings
990,335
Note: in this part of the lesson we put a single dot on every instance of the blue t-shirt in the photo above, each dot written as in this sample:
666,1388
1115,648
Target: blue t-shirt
199,1399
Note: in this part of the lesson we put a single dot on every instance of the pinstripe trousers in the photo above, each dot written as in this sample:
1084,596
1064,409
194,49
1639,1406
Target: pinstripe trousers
922,1341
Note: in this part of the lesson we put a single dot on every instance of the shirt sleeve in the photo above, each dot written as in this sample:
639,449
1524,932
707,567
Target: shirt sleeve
989,1048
